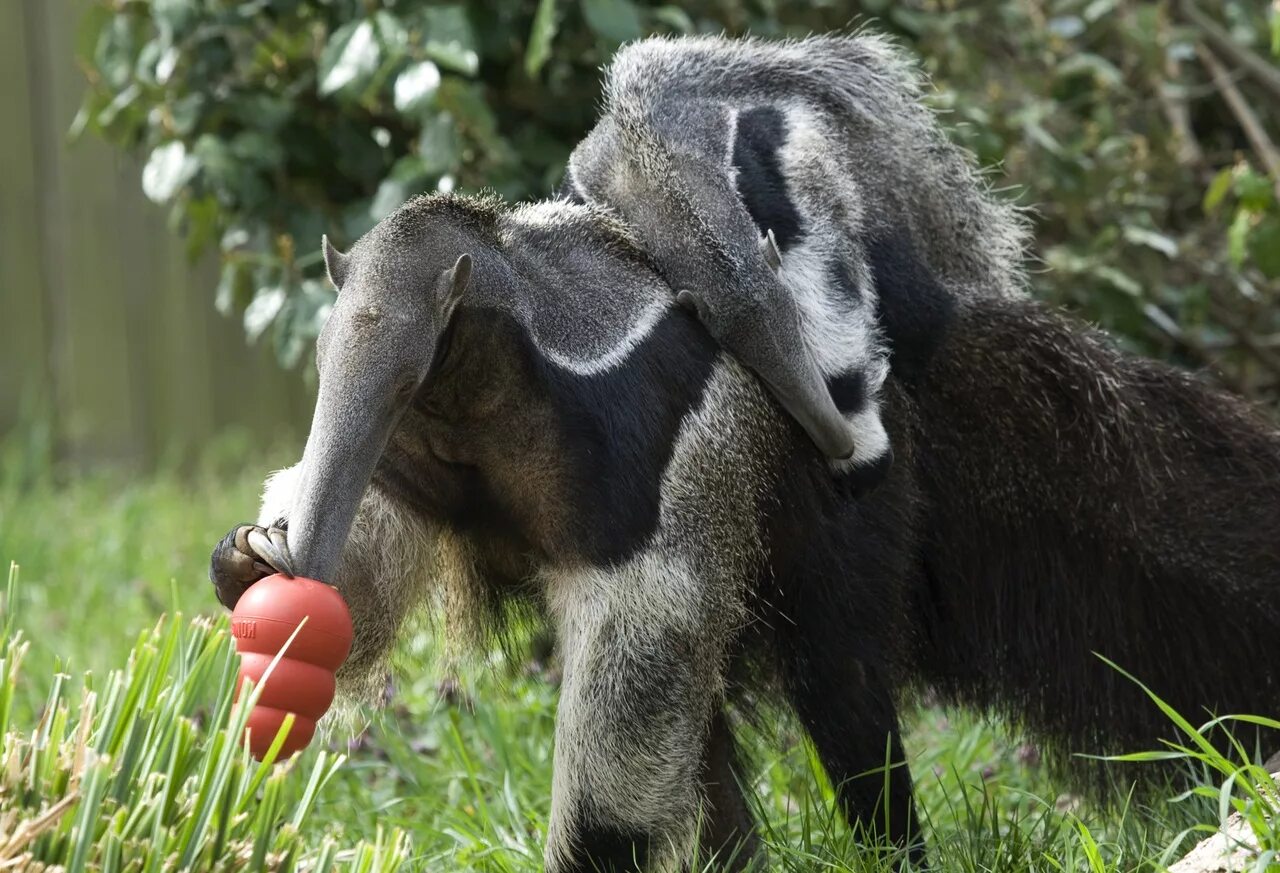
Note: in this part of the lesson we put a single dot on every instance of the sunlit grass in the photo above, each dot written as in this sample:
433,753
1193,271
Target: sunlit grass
143,769
468,784
103,554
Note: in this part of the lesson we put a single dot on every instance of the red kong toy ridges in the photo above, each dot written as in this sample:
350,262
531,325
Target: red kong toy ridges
303,681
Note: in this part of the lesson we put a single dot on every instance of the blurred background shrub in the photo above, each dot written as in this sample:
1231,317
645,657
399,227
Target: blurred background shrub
1143,134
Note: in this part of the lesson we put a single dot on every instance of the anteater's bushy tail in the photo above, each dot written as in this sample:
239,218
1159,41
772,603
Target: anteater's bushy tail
1084,501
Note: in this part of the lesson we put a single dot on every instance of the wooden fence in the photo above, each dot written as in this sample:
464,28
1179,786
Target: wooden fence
105,328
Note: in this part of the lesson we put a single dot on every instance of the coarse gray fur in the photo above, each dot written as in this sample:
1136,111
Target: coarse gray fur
686,592
906,169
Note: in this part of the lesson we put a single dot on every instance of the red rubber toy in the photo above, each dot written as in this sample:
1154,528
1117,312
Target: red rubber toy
303,681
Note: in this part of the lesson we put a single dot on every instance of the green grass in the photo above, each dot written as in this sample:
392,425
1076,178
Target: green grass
428,785
104,554
144,770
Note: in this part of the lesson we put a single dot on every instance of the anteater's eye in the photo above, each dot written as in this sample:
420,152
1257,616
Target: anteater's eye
406,389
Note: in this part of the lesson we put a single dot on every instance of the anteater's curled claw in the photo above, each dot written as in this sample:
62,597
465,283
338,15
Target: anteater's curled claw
272,546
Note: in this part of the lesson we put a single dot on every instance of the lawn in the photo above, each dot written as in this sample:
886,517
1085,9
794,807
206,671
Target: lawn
425,783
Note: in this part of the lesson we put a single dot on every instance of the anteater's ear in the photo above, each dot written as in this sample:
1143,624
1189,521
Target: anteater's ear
453,285
335,262
769,248
695,304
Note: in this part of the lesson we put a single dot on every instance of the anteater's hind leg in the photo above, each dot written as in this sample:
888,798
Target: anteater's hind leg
850,715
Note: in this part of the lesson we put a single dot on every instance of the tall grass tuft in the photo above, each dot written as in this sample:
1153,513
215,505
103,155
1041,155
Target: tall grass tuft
1233,781
144,771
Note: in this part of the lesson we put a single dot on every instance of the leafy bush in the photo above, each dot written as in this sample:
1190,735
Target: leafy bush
1107,115
268,122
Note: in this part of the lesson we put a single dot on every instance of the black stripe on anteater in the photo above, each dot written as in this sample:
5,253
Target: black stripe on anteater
619,428
761,133
914,308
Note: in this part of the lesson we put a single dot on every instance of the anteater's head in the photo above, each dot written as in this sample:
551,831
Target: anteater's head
400,288
520,371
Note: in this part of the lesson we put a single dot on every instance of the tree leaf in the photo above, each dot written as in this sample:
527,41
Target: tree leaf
173,16
350,57
912,21
257,148
1238,236
392,33
144,68
259,314
166,64
541,35
408,177
472,113
1098,9
416,86
438,145
234,287
167,170
616,21
678,20
1103,73
1253,189
1264,245
186,112
448,38
115,51
199,224
263,111
1218,189
1142,236
1118,279
119,105
1066,26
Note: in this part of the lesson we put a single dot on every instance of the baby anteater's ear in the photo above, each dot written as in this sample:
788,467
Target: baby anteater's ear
693,303
769,248
335,262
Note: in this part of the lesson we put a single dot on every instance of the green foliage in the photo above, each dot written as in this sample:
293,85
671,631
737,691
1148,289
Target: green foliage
266,123
1106,118
144,771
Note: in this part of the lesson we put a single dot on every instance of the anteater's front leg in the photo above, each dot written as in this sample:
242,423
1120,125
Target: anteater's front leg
728,832
642,682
